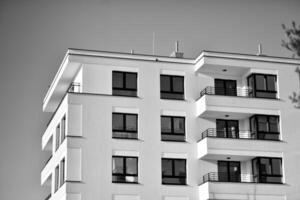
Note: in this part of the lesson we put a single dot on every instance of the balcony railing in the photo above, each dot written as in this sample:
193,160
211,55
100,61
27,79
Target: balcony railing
225,177
241,178
237,134
74,87
239,92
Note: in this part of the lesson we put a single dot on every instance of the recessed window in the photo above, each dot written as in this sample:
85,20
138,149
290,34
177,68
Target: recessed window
225,87
124,83
124,169
172,128
56,181
63,129
171,87
57,135
62,173
262,85
265,127
173,171
267,170
125,125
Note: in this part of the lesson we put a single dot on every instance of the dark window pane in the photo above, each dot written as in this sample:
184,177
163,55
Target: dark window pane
178,84
262,123
273,124
117,122
219,87
131,124
118,165
118,80
172,137
269,95
273,179
179,166
265,166
131,82
166,125
166,167
171,96
276,167
165,83
131,166
260,82
179,125
271,82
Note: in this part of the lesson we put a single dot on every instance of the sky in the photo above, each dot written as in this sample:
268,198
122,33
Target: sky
35,34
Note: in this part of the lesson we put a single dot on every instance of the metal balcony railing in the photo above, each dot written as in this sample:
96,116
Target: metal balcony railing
74,87
234,134
225,177
239,92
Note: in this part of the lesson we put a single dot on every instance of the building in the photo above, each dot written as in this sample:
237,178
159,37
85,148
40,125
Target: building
140,127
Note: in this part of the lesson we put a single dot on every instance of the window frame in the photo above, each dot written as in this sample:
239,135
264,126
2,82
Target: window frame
124,88
172,133
173,171
124,126
256,132
171,91
124,174
253,92
260,176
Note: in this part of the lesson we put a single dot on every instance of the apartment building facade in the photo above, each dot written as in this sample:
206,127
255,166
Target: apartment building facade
140,127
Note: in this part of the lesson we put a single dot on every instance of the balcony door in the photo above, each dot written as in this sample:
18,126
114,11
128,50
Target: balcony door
225,87
227,128
229,171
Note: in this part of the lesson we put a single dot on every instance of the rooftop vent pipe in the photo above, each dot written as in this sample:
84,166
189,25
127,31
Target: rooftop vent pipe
176,53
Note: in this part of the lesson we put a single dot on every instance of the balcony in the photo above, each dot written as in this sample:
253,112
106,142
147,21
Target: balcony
236,102
71,152
217,185
69,190
239,145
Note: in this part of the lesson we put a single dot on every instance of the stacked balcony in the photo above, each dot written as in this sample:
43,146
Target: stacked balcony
245,143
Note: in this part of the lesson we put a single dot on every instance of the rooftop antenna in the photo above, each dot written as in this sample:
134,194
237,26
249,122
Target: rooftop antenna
153,43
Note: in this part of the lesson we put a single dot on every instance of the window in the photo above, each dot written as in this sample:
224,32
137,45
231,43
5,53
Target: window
225,87
124,83
124,125
229,171
57,135
265,127
267,170
171,87
172,128
63,129
227,128
262,85
124,169
56,181
173,171
62,173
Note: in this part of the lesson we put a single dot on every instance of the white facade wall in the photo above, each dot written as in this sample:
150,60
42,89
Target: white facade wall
89,145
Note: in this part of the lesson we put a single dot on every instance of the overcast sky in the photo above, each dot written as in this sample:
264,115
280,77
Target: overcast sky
35,34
